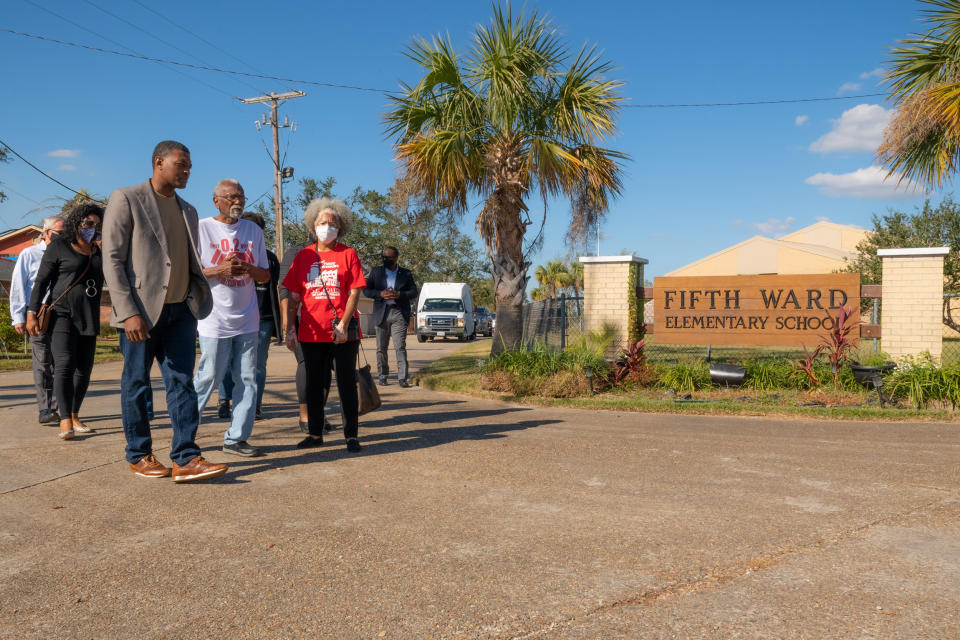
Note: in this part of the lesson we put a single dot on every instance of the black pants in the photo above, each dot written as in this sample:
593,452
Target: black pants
72,363
317,358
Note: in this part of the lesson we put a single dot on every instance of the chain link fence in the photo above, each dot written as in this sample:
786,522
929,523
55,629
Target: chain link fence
556,322
951,338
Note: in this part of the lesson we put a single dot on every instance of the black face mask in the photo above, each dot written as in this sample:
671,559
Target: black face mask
389,264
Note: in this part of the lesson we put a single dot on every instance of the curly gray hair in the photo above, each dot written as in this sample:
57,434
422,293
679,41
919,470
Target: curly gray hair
341,212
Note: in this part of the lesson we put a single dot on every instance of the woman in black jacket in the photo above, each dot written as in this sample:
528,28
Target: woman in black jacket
72,271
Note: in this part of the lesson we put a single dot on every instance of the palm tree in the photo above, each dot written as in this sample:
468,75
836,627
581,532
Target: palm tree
558,279
514,116
576,283
922,141
542,276
537,294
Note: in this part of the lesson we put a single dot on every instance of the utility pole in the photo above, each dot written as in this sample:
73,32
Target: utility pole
278,172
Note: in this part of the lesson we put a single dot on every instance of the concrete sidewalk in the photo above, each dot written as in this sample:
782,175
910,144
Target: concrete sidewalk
478,519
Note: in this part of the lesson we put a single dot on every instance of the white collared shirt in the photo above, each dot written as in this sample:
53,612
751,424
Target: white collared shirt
21,284
391,281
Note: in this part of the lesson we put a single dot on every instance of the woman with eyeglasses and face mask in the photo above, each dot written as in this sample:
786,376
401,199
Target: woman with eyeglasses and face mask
72,272
326,279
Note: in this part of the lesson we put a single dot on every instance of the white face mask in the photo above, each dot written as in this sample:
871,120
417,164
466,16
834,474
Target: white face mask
326,233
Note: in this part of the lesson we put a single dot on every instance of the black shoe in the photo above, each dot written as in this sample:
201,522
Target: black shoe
259,414
327,427
243,449
310,442
382,381
353,445
49,417
404,384
223,411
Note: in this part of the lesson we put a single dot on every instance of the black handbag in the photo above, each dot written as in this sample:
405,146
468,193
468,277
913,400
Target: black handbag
367,392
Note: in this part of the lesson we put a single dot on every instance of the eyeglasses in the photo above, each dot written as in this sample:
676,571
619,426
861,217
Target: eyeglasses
91,288
91,224
236,197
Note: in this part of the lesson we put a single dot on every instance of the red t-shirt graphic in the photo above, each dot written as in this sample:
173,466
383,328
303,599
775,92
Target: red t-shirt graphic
340,272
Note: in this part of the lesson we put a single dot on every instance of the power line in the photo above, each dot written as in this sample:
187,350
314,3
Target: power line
388,92
193,66
197,36
44,173
154,36
120,44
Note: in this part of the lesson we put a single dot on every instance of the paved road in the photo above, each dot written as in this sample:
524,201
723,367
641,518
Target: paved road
471,518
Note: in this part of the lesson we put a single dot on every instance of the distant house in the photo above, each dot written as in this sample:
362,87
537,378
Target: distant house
823,247
13,241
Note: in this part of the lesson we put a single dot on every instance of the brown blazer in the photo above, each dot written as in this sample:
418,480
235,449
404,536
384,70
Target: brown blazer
136,265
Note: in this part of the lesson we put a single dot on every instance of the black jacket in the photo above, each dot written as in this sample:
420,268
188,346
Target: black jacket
267,298
405,286
60,267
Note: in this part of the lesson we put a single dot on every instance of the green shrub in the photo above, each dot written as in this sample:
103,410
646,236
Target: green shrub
764,375
685,377
919,379
540,360
10,340
950,384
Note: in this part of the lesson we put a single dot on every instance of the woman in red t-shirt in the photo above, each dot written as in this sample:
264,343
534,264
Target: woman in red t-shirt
326,278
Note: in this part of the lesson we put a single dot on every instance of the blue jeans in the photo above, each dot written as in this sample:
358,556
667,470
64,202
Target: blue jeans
238,355
225,391
172,343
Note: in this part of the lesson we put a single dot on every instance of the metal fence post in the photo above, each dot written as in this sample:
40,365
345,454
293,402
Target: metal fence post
563,321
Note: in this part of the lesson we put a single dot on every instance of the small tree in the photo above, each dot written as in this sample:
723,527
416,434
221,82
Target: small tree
927,227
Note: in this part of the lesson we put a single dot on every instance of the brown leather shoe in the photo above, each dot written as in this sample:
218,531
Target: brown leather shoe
149,467
197,469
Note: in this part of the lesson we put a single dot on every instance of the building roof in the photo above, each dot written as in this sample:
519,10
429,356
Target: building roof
792,241
12,232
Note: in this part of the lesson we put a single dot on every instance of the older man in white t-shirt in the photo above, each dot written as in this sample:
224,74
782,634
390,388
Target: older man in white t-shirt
233,257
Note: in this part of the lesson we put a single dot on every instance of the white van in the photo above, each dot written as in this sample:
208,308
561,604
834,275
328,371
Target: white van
445,310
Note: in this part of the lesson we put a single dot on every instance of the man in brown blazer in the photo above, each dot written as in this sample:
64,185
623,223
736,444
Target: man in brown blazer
158,292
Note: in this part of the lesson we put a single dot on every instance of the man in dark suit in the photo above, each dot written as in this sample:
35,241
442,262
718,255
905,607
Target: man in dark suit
392,288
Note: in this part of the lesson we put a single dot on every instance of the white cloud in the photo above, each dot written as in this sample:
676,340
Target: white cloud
67,167
64,153
801,120
857,129
823,219
848,87
737,224
868,183
876,73
773,226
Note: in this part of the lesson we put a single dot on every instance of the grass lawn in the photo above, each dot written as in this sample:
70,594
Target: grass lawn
460,373
108,350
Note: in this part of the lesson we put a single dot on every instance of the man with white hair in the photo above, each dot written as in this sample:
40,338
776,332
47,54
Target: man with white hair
233,257
21,285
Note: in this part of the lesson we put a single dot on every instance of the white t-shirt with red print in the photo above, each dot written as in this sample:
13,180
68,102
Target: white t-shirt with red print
235,311
340,271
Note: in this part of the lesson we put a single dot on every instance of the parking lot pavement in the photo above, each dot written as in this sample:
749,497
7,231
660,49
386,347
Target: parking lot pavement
473,518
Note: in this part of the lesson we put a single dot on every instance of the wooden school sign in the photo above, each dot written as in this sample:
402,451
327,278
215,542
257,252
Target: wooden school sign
769,310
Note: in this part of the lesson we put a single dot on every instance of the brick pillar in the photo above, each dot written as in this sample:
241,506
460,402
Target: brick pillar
609,295
911,319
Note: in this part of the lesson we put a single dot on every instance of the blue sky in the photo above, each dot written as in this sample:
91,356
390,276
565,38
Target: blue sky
700,179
